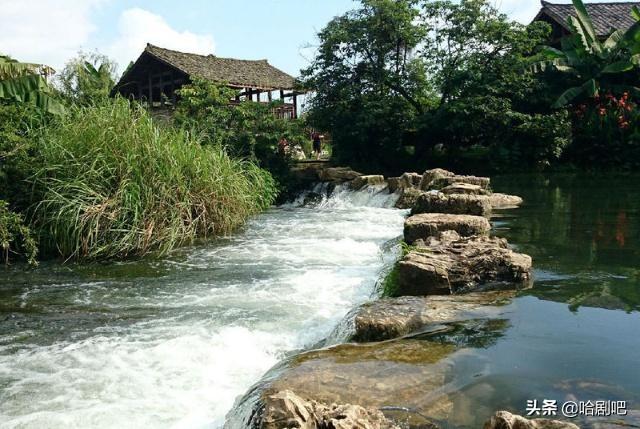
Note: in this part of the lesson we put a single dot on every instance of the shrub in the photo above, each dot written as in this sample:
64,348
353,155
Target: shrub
114,184
15,237
606,132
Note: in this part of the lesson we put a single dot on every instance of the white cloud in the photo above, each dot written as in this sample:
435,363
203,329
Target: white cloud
137,27
43,31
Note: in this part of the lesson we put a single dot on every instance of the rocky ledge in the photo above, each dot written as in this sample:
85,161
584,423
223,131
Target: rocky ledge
450,264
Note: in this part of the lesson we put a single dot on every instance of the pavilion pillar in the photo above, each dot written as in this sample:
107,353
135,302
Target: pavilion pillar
295,106
269,97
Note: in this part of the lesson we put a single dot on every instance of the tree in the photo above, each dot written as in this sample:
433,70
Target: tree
26,83
369,86
591,67
88,78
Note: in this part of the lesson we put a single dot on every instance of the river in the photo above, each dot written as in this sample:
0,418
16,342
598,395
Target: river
172,343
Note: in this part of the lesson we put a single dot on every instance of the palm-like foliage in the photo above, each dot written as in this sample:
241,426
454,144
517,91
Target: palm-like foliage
591,66
25,83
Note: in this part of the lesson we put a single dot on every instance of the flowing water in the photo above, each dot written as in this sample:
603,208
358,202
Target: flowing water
172,343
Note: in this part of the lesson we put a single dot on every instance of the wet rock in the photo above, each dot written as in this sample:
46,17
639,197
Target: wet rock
362,181
285,409
438,178
394,184
422,226
506,420
408,198
464,188
453,265
437,202
307,172
395,317
338,174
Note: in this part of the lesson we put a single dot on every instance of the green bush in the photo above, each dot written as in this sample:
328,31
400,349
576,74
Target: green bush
113,184
15,237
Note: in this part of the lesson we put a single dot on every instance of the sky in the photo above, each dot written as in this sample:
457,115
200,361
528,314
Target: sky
282,31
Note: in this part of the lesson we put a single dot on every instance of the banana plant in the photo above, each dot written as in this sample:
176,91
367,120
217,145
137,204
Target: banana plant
24,83
590,65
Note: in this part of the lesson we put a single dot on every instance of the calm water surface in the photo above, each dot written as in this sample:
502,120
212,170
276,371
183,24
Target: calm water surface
574,335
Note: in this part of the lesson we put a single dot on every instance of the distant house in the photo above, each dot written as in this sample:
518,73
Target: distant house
606,16
158,73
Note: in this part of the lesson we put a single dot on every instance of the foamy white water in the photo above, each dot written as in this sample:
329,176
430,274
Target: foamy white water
171,344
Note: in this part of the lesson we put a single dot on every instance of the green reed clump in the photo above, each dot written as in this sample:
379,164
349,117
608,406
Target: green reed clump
113,184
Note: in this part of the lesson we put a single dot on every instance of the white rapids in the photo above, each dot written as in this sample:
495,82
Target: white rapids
173,343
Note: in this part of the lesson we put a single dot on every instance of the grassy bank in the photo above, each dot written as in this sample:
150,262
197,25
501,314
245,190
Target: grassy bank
110,183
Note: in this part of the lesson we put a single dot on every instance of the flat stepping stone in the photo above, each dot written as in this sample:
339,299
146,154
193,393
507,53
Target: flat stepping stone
425,225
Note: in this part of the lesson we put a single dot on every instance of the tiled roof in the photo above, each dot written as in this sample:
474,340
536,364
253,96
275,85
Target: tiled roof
606,17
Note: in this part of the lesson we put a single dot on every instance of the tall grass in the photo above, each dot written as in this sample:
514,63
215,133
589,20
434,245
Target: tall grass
113,184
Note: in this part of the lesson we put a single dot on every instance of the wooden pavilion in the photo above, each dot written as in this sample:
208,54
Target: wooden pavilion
158,73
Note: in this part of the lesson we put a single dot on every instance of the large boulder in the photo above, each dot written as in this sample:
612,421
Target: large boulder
506,420
437,202
338,174
425,225
450,264
362,181
395,317
285,410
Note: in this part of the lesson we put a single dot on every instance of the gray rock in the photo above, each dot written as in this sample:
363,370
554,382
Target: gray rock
437,202
453,265
506,420
362,181
425,225
285,410
395,317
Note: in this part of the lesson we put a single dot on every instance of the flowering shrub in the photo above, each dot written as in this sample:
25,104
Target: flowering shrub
607,131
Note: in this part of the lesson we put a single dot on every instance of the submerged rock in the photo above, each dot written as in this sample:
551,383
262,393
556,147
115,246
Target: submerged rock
425,225
395,317
338,174
506,420
451,265
285,409
362,181
437,202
